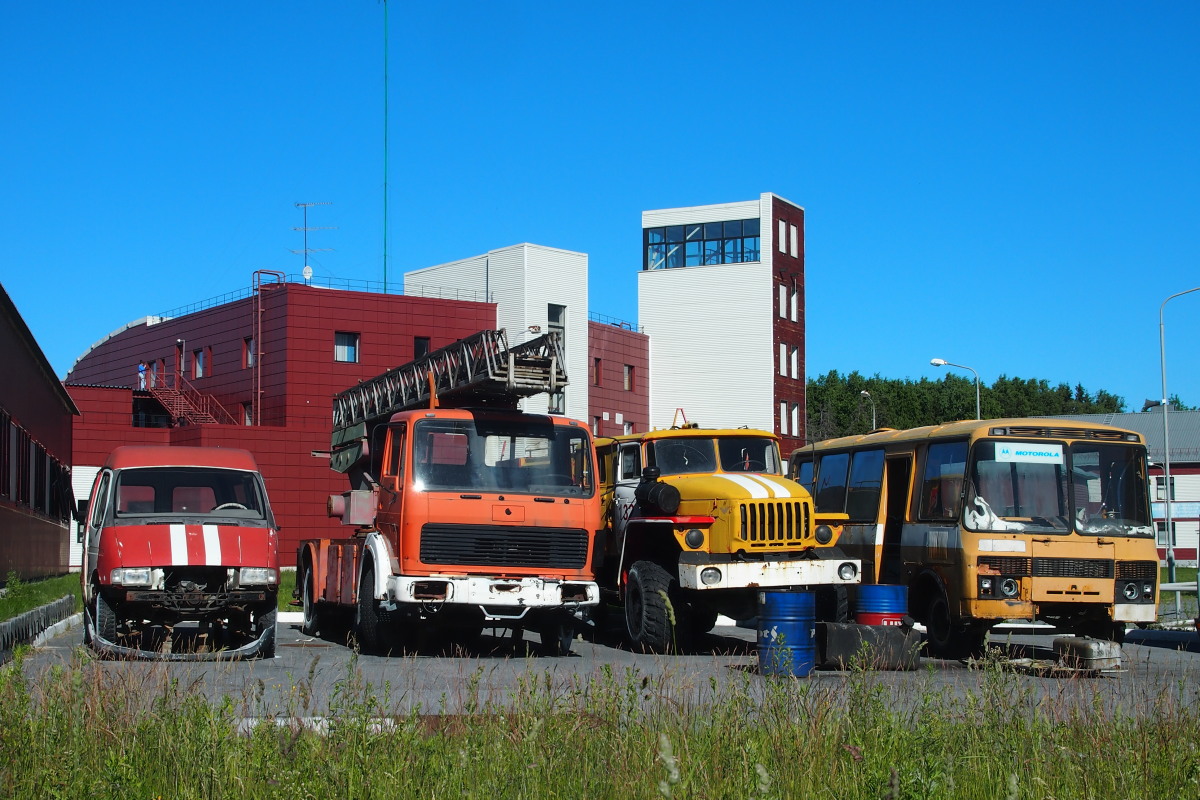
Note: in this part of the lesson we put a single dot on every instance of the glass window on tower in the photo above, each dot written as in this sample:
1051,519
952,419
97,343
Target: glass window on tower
702,244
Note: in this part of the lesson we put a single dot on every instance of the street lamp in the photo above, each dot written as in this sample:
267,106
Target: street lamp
1162,356
941,362
867,395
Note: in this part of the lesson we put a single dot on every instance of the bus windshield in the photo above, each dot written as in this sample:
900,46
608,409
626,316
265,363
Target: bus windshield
1089,487
463,455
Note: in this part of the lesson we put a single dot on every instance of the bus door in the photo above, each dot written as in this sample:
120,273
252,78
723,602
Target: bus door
897,480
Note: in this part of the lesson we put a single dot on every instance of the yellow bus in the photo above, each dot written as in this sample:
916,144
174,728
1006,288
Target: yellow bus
994,520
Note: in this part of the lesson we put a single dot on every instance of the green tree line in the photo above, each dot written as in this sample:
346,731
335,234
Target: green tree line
836,406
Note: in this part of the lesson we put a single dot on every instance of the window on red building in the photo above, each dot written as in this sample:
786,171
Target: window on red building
345,347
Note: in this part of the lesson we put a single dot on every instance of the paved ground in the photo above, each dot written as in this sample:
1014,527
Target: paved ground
316,677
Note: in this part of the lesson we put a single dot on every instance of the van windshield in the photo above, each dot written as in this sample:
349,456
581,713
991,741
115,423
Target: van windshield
189,492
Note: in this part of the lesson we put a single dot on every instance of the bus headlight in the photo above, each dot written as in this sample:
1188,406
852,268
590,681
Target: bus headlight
1148,591
710,576
694,538
847,571
1009,587
1131,591
823,534
985,586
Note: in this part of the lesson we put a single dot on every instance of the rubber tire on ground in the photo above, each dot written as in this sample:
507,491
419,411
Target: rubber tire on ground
370,622
1105,630
311,626
948,639
557,633
266,623
833,604
105,619
647,622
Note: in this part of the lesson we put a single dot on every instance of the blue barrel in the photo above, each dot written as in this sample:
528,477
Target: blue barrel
787,643
881,604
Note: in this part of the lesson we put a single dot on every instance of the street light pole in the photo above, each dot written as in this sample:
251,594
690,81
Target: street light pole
867,395
941,362
1169,495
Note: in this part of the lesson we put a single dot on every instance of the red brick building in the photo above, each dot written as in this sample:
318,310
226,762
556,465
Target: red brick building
35,451
260,372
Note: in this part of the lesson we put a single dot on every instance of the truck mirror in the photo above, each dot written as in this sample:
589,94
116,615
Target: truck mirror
79,524
81,510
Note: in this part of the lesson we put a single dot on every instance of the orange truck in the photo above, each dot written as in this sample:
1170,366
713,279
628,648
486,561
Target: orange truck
181,555
467,512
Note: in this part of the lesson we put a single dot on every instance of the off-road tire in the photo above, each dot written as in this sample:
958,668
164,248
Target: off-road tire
369,623
311,626
647,617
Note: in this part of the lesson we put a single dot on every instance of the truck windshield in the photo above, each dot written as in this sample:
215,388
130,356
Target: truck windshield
1092,488
188,491
522,456
688,456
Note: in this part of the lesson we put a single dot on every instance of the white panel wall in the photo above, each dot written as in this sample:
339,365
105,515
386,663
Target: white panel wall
711,344
523,280
81,484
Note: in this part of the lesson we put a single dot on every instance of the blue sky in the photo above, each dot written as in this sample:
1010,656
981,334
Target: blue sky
1008,186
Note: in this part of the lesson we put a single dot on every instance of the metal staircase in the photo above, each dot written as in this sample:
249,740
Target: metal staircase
187,405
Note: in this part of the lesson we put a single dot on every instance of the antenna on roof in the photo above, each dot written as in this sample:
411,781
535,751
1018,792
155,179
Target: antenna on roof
306,228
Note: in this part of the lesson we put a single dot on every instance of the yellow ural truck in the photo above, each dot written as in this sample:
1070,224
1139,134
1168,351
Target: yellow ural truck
697,522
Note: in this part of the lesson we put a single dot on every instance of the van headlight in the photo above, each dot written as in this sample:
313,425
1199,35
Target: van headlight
130,576
256,576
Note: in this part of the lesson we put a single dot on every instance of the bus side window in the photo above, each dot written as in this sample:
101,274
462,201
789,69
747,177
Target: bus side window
866,482
941,486
831,483
802,473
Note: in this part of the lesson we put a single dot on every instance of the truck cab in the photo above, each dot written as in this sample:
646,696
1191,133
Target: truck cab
180,555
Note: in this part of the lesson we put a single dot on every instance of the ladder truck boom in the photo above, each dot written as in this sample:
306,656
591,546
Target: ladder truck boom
480,370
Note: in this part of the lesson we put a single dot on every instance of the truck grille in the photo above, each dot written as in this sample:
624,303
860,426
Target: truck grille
501,546
775,523
1072,568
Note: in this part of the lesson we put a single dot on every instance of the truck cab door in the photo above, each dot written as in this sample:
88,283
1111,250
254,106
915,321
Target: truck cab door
391,482
628,475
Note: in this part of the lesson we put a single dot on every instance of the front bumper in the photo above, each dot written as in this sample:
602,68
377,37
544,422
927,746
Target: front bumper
769,574
516,594
107,649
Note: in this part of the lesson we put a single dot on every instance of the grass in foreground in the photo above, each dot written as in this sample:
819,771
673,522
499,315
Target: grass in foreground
88,731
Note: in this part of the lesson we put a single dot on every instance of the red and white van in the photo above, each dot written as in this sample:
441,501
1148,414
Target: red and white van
181,555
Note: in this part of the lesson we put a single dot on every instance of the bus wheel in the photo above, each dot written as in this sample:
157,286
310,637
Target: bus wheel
1104,629
647,620
947,638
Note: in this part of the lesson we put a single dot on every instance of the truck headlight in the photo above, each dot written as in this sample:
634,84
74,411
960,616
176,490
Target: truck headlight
256,576
130,576
824,534
710,576
1009,587
847,571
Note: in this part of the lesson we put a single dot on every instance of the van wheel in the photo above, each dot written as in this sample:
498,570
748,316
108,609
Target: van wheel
266,624
647,619
105,619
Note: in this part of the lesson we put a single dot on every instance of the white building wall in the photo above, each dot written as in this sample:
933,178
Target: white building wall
712,340
711,347
523,280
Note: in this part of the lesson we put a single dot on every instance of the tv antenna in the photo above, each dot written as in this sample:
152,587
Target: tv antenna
306,228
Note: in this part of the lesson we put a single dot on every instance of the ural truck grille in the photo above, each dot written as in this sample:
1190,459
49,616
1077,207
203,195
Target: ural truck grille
486,545
1072,568
775,523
